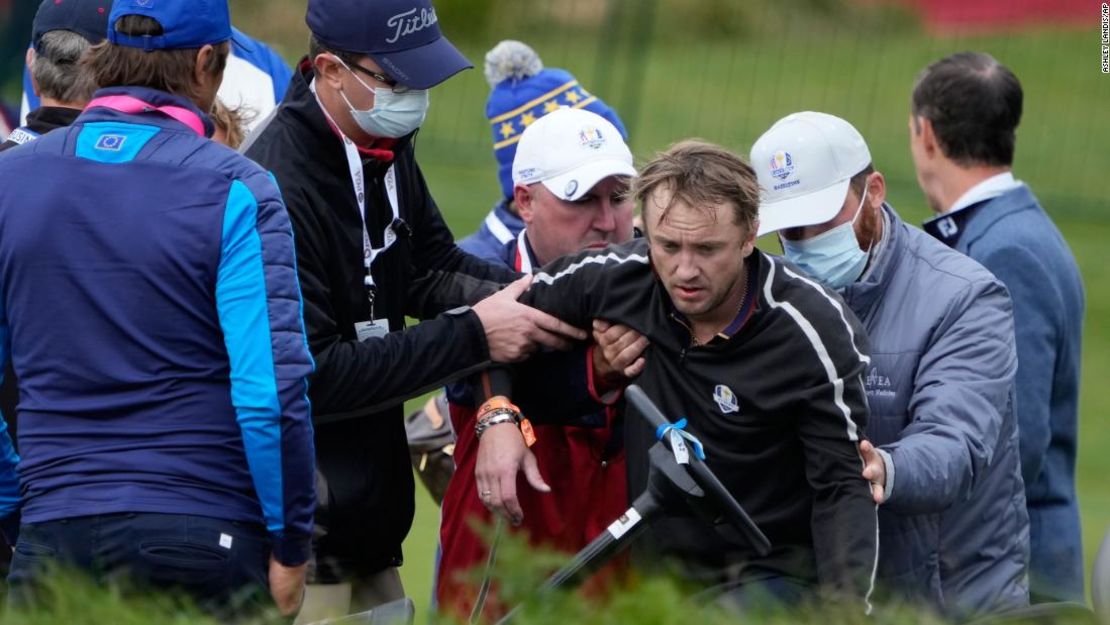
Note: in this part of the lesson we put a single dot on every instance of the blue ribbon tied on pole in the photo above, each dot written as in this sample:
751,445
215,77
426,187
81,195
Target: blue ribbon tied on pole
679,436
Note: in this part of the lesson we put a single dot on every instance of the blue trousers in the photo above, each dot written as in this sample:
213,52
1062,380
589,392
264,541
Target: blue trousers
222,566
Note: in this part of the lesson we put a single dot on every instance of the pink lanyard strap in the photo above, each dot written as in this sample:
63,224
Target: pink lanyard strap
133,106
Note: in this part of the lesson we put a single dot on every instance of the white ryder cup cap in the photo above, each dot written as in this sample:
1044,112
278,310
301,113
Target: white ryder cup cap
570,151
804,164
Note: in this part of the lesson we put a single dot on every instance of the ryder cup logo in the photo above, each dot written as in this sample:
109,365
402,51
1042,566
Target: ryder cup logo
726,399
782,165
590,137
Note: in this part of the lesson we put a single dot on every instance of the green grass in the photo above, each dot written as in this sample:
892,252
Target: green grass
730,92
1087,240
71,599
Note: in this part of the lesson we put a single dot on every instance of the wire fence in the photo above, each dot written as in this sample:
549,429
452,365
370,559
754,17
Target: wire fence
725,70
670,77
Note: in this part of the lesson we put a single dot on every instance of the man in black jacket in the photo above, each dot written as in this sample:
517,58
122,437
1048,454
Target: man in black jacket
372,248
764,363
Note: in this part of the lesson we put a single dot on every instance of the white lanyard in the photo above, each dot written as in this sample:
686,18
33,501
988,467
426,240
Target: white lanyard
389,235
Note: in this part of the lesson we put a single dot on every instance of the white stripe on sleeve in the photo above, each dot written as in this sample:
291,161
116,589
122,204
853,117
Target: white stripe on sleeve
498,229
837,305
546,278
818,346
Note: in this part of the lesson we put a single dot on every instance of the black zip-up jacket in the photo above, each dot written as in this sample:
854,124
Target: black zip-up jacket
779,405
358,388
41,121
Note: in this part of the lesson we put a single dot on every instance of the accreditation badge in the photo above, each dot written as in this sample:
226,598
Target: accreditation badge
366,330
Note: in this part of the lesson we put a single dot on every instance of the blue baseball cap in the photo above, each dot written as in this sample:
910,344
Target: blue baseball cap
88,18
402,36
185,23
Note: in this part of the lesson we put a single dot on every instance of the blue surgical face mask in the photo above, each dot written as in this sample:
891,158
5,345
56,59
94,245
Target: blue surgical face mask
395,114
833,258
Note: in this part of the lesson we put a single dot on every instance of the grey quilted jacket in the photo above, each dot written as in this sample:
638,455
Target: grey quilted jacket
954,531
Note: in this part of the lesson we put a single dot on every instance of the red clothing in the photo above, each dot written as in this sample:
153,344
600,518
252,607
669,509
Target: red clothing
588,492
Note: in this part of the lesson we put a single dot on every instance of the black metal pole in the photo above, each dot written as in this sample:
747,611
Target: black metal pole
620,534
606,546
702,474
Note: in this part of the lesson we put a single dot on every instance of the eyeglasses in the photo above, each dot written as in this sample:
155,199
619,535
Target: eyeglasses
382,78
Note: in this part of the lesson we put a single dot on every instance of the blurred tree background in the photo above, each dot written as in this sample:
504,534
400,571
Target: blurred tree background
725,70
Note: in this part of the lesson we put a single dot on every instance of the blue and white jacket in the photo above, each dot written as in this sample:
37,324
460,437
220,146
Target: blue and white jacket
1013,237
151,309
495,239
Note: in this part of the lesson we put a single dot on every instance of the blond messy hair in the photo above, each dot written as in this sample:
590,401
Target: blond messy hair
700,175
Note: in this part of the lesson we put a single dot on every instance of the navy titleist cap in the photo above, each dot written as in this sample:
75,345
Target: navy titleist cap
185,23
402,36
88,18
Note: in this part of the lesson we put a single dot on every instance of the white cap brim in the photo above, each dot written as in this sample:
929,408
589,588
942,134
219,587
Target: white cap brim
572,185
810,209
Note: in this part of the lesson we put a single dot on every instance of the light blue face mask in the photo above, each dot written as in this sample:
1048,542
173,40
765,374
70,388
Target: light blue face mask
395,114
833,258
